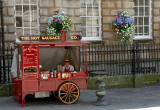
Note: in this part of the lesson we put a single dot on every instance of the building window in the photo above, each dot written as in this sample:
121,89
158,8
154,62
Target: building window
91,19
26,14
142,17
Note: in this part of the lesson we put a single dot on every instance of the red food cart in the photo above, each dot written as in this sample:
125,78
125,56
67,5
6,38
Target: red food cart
38,68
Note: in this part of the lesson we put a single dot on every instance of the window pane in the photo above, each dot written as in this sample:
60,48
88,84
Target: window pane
33,1
136,31
18,21
146,30
92,32
136,11
26,21
89,12
146,20
135,21
84,22
92,21
140,30
95,12
19,32
27,31
147,11
34,31
136,2
18,10
18,1
95,32
34,21
95,3
34,10
89,1
26,1
146,2
141,2
26,10
140,20
89,31
83,3
89,21
83,32
141,11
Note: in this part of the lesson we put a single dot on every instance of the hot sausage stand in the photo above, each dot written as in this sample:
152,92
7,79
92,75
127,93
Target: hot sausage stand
38,71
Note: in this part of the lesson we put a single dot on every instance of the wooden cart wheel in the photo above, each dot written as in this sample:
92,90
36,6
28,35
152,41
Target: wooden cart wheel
68,93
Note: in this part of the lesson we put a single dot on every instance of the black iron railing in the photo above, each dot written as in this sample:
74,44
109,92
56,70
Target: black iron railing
124,60
2,45
6,76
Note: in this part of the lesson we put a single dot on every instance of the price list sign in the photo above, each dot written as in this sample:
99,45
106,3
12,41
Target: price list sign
30,61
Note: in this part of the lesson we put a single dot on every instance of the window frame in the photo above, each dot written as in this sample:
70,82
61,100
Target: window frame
138,37
30,27
99,37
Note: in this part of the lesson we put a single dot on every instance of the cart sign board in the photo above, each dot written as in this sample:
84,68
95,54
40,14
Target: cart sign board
40,38
48,38
30,61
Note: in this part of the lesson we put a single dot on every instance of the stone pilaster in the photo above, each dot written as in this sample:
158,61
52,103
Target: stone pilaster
9,21
156,19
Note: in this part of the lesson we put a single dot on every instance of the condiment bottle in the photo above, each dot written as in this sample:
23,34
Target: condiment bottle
66,75
63,75
59,75
55,75
51,74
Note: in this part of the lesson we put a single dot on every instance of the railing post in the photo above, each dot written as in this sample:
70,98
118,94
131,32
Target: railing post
133,63
1,10
3,46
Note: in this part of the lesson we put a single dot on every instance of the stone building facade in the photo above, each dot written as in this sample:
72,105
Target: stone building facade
92,18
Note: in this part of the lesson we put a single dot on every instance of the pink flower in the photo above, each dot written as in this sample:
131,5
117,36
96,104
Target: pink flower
60,22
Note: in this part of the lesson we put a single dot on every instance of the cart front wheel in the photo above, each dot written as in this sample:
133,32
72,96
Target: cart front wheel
68,93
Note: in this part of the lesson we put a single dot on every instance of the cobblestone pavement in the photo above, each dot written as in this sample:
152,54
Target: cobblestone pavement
146,98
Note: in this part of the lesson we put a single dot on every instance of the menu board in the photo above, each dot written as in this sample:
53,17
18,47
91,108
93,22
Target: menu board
30,61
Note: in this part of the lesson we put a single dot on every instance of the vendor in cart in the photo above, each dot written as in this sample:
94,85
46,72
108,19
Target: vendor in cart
67,67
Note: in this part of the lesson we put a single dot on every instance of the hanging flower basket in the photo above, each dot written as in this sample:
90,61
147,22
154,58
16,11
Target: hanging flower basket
57,23
123,25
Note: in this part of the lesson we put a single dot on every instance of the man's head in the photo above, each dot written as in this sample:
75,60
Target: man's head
67,62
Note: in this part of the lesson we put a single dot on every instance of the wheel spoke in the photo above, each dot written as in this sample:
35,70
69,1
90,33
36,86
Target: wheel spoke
68,87
65,88
64,96
74,95
71,87
72,98
69,98
63,93
74,92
